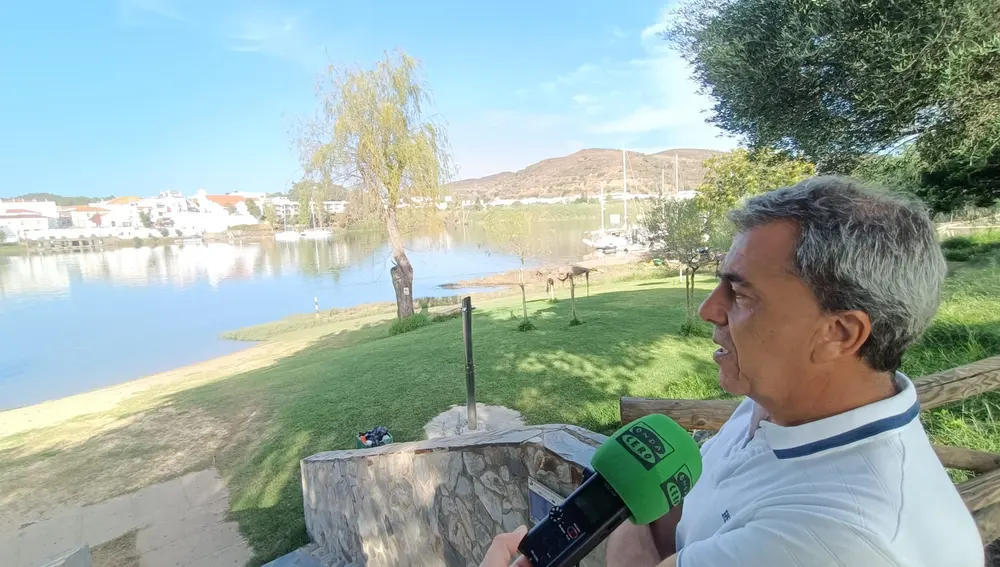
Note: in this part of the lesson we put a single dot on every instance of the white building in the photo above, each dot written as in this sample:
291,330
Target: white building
47,209
284,207
16,224
335,207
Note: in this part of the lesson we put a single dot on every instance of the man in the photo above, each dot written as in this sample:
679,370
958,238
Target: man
825,463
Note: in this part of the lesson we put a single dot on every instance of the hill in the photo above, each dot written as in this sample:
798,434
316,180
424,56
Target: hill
585,171
59,199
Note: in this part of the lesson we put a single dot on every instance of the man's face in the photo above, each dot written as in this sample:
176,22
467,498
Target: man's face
765,317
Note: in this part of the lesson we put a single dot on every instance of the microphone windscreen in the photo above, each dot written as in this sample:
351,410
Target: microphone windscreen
652,463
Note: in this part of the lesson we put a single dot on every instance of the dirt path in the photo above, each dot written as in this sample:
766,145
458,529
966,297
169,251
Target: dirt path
174,523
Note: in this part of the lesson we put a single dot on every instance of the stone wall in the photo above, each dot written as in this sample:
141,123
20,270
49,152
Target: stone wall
439,501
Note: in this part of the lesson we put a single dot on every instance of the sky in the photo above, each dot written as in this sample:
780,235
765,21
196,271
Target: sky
133,97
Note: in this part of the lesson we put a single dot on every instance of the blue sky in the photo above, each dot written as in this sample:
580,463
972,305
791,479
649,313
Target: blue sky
132,97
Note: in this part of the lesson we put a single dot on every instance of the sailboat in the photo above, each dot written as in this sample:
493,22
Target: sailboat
286,235
315,233
610,241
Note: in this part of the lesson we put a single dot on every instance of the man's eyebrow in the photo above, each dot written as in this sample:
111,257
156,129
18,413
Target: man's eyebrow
733,278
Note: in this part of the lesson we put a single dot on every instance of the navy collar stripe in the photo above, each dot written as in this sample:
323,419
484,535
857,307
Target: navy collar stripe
863,432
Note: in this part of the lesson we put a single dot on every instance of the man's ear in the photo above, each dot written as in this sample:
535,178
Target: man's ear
842,335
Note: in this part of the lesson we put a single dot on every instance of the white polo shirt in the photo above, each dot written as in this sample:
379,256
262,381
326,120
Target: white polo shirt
859,489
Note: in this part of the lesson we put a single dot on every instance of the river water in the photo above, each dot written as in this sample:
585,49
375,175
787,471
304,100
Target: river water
70,323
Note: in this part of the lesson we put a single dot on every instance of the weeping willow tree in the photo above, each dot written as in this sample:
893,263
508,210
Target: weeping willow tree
373,135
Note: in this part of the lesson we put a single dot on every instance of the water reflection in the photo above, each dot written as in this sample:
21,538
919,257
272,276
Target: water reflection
74,322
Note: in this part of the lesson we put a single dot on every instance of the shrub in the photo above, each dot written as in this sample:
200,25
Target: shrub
693,328
525,325
164,232
415,321
179,233
957,254
137,242
957,242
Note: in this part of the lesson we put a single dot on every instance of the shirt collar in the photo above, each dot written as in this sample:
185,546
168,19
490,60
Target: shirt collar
845,428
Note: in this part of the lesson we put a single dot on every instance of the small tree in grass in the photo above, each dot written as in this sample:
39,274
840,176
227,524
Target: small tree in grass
683,233
512,231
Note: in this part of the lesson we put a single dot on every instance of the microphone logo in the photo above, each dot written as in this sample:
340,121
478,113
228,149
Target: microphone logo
645,445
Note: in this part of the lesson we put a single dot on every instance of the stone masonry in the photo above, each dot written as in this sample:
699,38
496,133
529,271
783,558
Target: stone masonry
439,501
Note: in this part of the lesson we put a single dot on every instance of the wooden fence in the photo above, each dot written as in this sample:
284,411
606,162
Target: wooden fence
981,494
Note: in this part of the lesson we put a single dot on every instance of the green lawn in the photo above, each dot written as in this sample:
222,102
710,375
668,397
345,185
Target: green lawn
628,345
258,424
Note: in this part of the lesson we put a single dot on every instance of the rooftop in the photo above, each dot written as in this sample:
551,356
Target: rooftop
225,200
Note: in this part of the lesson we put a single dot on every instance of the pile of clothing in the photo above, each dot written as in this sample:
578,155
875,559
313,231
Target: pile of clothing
375,437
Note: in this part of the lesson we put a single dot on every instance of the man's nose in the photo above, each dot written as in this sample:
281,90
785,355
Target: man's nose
713,309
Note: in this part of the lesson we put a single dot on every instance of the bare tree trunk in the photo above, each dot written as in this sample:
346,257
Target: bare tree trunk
402,272
524,298
572,294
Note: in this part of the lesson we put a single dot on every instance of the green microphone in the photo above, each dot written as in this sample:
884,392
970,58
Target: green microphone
640,473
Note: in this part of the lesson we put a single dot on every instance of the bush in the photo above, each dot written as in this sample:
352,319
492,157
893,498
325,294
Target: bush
415,321
693,328
957,254
137,242
525,325
179,233
164,232
957,242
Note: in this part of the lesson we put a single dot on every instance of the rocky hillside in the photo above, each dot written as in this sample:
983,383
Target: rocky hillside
586,170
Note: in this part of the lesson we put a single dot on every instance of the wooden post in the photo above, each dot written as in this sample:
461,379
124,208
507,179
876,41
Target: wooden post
572,295
470,367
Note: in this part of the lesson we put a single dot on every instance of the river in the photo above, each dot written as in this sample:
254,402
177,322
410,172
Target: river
71,323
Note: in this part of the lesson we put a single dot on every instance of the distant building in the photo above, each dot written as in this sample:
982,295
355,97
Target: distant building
47,209
248,195
335,207
16,223
88,216
228,204
284,207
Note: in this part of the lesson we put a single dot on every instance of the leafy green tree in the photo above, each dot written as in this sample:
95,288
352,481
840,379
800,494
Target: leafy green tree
839,80
741,173
270,213
682,232
373,134
254,209
145,219
231,209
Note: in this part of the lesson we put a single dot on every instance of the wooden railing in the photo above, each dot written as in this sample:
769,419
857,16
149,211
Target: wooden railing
981,494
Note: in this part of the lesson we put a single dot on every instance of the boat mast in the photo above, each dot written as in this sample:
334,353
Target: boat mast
677,174
625,186
602,207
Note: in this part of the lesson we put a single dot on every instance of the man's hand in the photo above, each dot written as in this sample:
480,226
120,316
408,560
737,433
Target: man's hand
503,549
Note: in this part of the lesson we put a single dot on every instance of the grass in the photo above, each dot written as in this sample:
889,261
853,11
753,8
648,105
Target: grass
255,417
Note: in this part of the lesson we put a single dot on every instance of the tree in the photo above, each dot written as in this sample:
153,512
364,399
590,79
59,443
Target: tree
839,81
254,209
741,173
512,231
145,219
270,213
373,135
231,209
681,231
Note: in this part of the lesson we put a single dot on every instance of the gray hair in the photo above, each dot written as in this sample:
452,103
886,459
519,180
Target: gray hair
860,249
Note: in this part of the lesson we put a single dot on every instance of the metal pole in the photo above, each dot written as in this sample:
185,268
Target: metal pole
470,367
